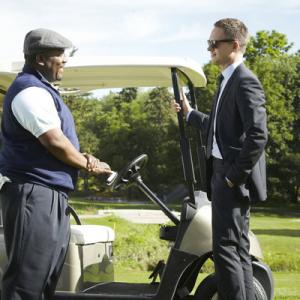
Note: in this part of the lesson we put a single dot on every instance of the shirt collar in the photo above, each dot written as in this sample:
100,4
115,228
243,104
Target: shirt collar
39,75
230,69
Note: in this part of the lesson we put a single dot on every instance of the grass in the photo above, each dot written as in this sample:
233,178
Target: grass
280,240
137,247
279,236
287,285
84,206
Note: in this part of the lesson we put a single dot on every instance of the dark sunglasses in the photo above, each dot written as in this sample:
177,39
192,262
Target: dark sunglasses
213,44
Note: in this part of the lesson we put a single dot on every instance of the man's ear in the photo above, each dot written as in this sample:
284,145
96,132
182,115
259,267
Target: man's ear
236,45
40,59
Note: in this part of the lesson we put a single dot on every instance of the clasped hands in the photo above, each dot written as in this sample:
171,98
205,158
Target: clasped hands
95,166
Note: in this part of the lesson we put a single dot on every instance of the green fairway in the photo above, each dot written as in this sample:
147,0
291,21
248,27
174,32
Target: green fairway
287,286
279,237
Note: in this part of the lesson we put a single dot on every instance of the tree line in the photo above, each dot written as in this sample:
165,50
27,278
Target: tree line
124,124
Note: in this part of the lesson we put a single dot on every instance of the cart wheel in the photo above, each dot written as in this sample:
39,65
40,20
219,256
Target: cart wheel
207,289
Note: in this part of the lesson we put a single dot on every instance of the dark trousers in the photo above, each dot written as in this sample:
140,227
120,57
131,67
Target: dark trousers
37,232
230,225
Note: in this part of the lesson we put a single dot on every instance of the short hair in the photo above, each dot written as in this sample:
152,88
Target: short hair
235,29
30,59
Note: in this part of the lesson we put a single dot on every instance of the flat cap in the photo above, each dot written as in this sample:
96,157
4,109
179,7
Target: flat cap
41,39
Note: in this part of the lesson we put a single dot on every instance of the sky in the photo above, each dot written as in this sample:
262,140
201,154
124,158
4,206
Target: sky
141,27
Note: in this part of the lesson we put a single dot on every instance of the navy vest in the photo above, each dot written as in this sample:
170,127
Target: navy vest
23,158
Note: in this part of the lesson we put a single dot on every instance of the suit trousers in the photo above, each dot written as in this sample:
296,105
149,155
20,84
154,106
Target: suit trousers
230,226
37,232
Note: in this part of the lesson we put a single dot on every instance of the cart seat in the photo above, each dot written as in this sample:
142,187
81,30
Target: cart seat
90,234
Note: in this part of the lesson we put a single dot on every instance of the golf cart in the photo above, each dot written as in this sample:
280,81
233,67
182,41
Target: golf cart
190,235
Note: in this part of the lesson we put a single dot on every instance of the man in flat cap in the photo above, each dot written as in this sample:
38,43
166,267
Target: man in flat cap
40,156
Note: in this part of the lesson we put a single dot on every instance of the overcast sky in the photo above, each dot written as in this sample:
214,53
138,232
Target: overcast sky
141,27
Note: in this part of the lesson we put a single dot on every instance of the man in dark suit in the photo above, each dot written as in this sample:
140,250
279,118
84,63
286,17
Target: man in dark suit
236,135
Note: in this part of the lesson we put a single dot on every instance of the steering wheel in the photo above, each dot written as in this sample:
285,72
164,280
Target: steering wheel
129,172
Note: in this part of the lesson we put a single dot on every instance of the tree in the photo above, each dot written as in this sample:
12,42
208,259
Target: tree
267,44
267,55
83,110
291,162
128,94
163,135
205,95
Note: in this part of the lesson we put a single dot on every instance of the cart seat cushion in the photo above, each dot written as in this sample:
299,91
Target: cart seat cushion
90,234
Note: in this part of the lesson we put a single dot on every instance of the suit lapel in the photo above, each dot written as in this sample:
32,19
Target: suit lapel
215,101
228,87
209,136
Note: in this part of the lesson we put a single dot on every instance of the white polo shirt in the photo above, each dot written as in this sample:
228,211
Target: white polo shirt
35,110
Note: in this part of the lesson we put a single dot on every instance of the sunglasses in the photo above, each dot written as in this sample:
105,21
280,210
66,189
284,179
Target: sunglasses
214,44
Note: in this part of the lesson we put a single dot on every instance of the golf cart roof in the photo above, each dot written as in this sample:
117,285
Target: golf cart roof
87,74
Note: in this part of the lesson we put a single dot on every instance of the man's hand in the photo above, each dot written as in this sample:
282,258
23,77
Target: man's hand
102,168
91,162
229,182
185,105
95,166
175,106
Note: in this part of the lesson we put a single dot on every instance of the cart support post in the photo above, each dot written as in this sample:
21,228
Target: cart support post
200,149
184,142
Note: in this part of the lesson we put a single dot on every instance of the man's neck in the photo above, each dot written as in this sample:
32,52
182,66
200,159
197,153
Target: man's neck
236,57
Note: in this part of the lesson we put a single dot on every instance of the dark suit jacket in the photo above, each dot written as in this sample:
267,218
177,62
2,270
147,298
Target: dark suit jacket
241,132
